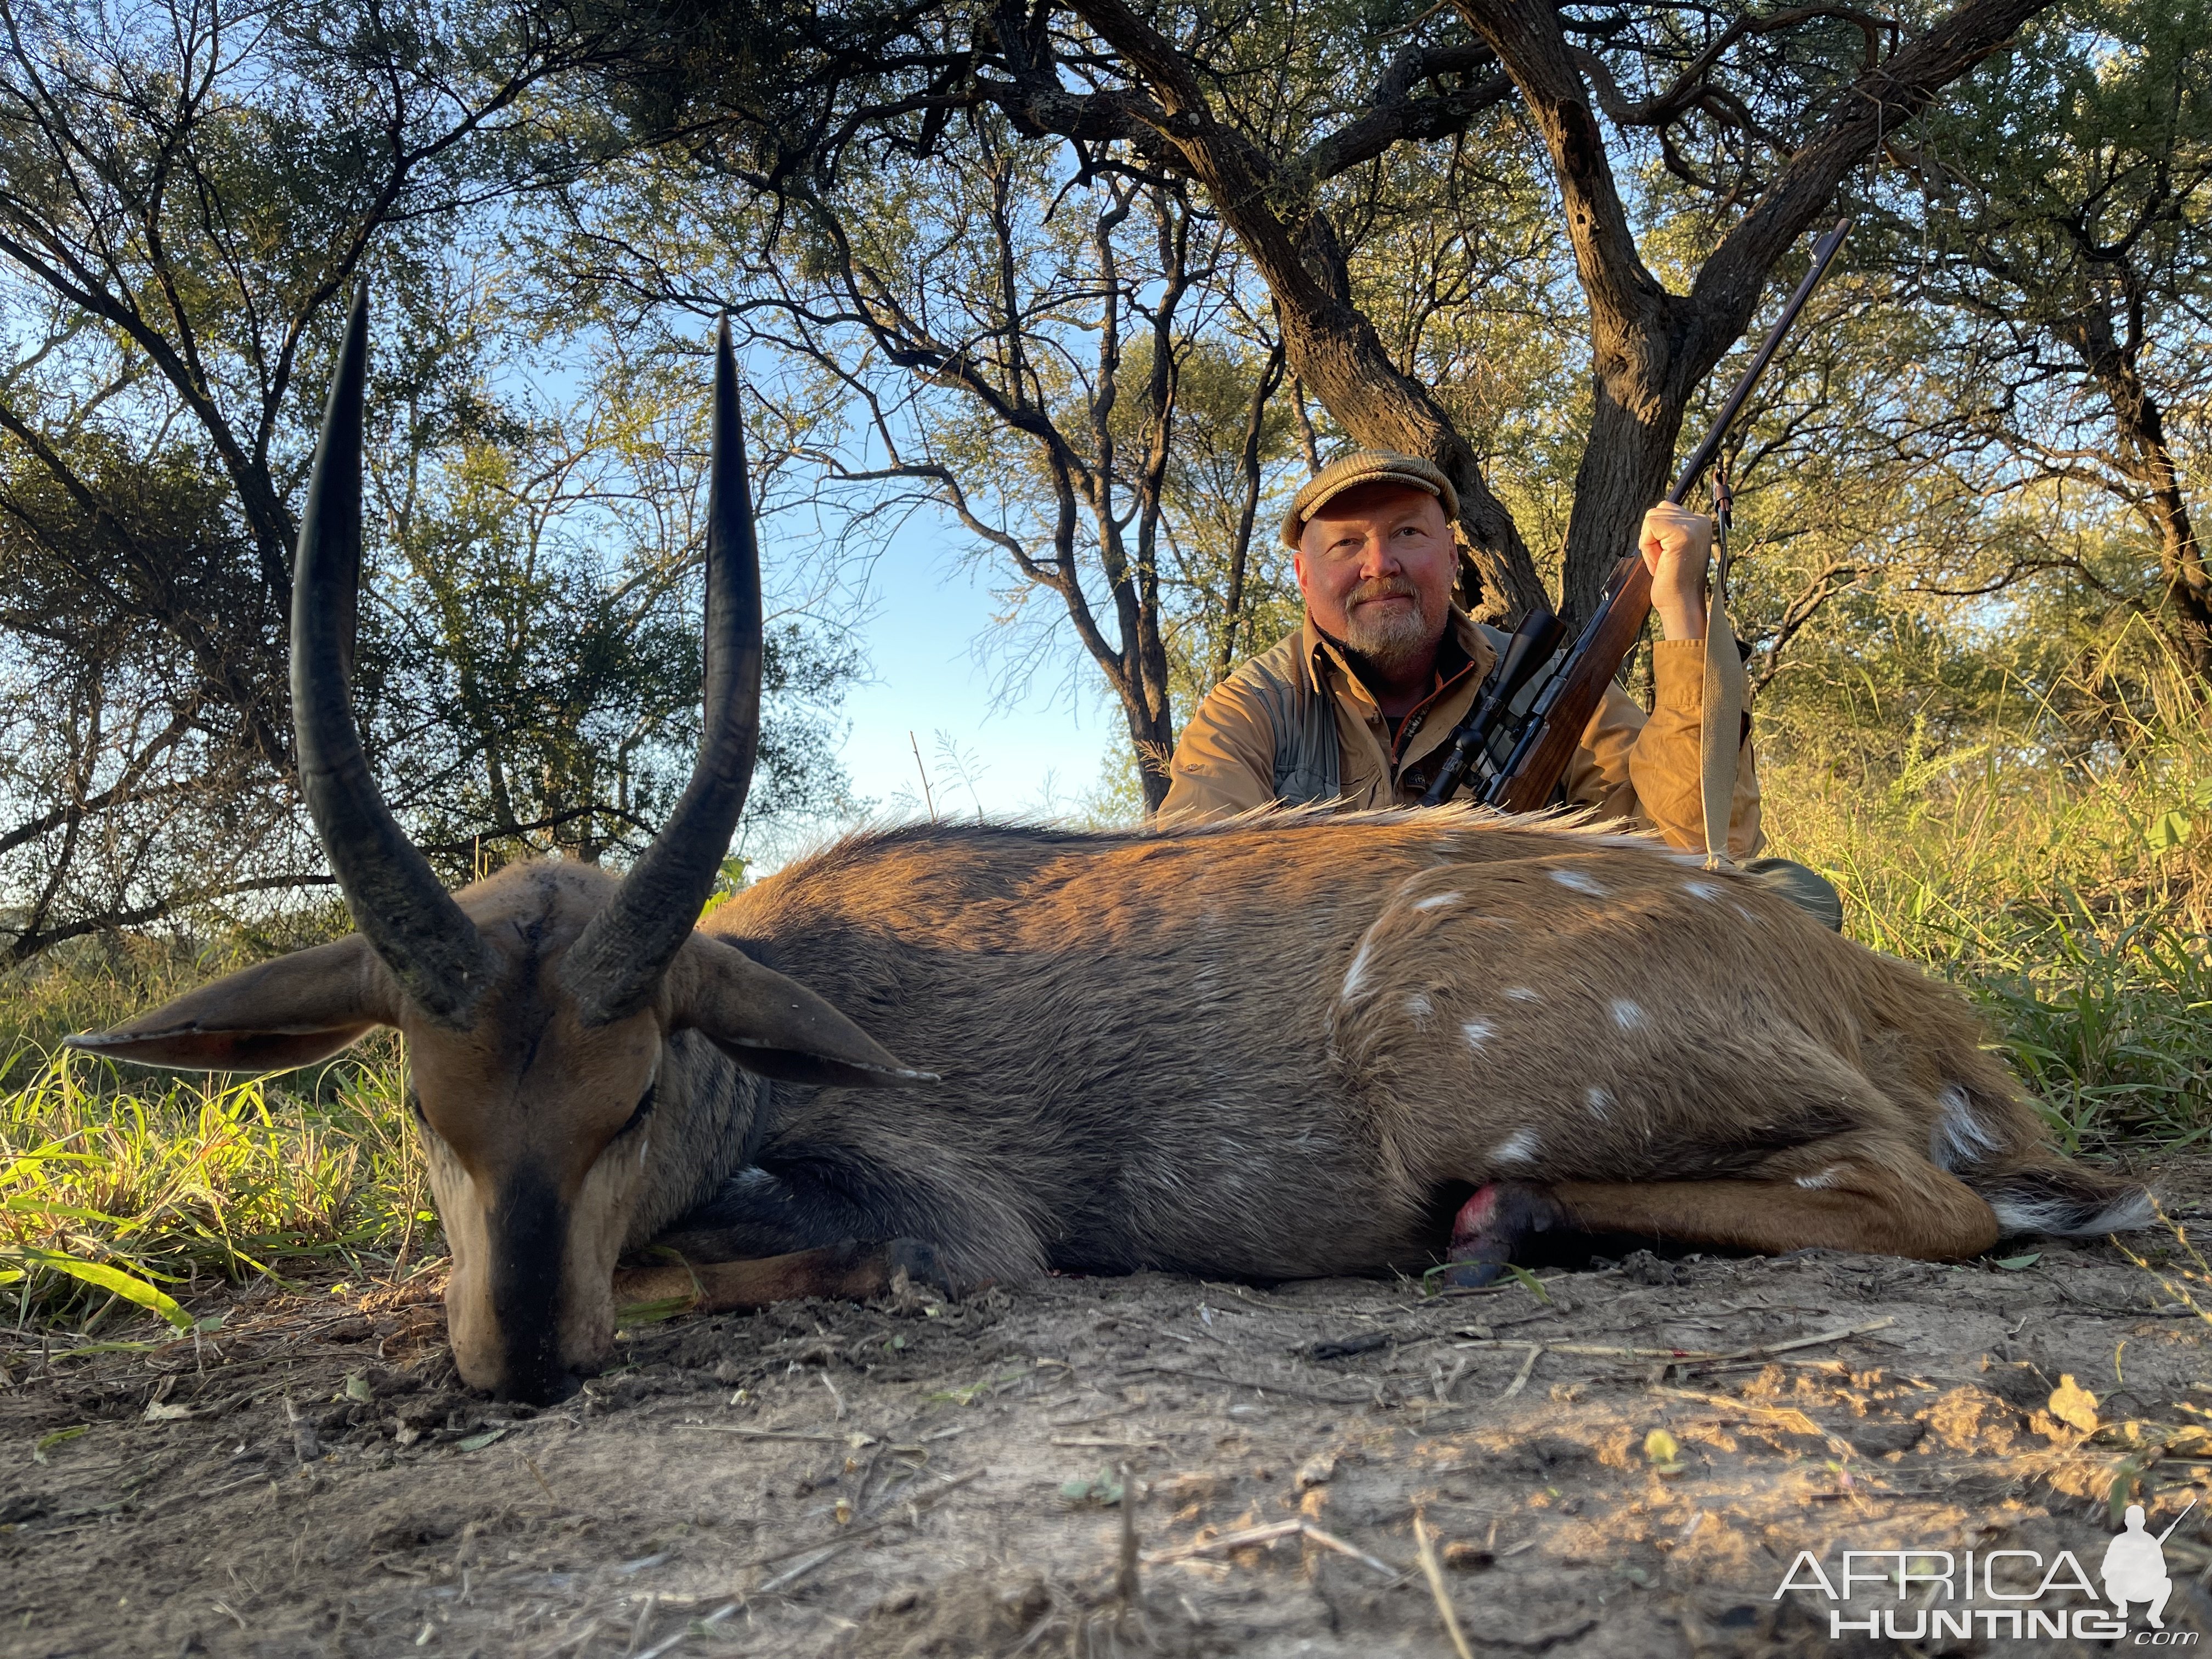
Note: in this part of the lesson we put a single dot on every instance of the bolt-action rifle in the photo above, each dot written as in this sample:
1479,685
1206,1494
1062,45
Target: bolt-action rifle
1543,738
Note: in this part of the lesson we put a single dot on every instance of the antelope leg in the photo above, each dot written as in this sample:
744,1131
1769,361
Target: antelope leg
1855,1204
850,1271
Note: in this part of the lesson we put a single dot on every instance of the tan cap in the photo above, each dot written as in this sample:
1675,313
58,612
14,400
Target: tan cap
1366,466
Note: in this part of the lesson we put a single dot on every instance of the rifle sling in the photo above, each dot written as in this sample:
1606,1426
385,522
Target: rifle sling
1720,737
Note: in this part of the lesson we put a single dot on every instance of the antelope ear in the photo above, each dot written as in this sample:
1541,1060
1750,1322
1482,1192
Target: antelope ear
270,1017
774,1025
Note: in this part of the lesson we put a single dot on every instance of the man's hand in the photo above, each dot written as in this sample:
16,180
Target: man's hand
1676,545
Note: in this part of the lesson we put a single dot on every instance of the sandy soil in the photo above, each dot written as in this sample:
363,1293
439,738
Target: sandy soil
909,1479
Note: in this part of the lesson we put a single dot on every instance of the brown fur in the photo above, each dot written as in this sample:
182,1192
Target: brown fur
1269,1049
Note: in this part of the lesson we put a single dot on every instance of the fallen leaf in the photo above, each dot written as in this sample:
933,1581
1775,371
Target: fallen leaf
2074,1405
478,1442
159,1411
1317,1471
1664,1452
2013,1264
1102,1490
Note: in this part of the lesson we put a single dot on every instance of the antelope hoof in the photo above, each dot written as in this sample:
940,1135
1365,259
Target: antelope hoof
1494,1226
924,1268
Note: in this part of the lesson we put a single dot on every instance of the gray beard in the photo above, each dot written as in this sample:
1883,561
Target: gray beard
1393,643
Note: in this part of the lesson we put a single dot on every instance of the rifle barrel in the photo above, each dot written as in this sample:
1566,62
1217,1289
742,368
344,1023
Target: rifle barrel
1554,727
1824,253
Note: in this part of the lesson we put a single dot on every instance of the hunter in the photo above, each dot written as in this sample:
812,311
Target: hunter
1356,709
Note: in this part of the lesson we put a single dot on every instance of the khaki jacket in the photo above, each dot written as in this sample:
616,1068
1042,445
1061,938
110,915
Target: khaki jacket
1261,738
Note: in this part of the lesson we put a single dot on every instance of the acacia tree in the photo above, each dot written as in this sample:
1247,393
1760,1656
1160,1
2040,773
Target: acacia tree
972,331
2068,230
187,192
1734,131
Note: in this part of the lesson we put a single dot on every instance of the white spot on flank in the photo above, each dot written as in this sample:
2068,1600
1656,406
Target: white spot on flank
1627,1015
1356,973
1577,880
1704,890
1520,993
1600,1103
1436,901
1418,1005
1477,1032
1826,1178
1519,1147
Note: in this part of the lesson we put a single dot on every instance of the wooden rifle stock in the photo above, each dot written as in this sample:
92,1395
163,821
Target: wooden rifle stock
1555,725
1557,722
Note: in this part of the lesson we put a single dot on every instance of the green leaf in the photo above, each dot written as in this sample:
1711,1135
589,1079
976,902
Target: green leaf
59,1437
478,1442
1102,1489
965,1394
129,1287
1535,1285
652,1313
2013,1264
2169,829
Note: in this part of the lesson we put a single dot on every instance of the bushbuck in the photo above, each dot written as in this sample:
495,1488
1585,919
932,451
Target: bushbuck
1289,1046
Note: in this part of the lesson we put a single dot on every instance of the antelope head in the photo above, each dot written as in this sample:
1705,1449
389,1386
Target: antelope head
538,1005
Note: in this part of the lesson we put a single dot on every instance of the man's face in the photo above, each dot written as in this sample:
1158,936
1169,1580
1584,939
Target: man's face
1376,566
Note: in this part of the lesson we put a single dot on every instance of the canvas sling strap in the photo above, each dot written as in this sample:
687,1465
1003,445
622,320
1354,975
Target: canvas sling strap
1720,738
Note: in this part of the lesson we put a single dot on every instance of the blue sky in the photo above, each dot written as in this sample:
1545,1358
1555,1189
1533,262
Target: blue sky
932,652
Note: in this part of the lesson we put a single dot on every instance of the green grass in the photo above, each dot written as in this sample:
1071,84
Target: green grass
174,1178
2073,905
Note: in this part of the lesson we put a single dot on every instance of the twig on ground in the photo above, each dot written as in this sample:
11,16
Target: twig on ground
914,1505
1766,1348
591,1629
644,1623
1268,1535
1448,1383
1528,1366
793,1574
1687,1355
1246,1295
1125,1577
708,1623
1100,1442
1435,1574
537,1476
1245,1382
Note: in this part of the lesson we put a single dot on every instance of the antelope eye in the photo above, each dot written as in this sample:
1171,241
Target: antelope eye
644,1110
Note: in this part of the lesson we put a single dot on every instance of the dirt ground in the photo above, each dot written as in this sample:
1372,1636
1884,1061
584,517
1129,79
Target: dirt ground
913,1478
